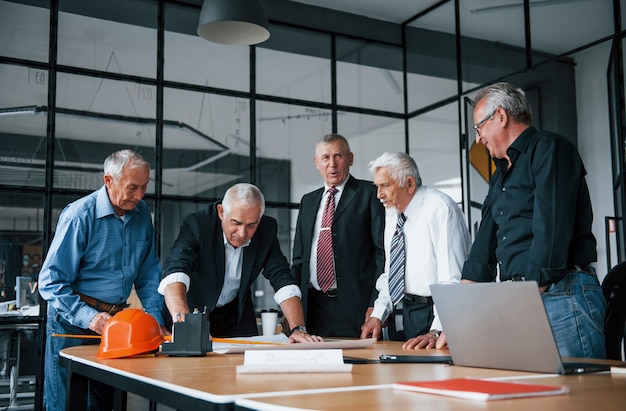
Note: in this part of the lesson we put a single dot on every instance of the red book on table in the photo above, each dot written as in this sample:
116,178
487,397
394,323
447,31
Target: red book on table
476,389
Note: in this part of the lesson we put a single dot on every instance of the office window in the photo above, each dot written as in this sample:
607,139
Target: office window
23,122
370,136
107,37
24,30
21,229
191,59
294,63
96,117
547,23
286,137
282,216
369,75
431,58
206,143
434,145
488,52
174,213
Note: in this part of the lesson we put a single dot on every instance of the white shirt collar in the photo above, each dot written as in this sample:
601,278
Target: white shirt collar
227,244
339,187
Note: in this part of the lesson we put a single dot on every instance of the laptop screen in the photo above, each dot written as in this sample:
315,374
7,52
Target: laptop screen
497,325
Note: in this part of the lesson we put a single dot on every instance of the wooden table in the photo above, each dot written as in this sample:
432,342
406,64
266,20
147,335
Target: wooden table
587,392
211,383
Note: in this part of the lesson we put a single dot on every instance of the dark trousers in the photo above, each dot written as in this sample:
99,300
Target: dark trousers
224,320
326,316
417,317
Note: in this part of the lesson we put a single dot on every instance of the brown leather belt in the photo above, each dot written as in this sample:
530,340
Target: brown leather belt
101,305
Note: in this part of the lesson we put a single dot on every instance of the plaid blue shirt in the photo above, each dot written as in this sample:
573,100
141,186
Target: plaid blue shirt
96,253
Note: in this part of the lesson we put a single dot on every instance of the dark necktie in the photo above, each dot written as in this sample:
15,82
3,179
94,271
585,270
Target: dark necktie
325,271
397,262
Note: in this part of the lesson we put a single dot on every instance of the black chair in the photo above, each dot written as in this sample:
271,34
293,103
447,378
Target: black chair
614,289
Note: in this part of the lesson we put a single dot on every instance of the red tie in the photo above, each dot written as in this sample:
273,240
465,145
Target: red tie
325,271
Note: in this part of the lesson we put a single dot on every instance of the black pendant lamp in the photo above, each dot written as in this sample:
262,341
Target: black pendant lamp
233,22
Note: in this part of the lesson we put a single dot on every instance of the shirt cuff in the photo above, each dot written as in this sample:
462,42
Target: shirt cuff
82,318
179,277
380,311
287,292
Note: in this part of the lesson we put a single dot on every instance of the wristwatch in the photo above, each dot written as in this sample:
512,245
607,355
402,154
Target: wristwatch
436,333
300,328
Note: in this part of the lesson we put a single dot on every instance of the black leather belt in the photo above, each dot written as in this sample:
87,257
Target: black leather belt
101,305
584,268
330,293
417,299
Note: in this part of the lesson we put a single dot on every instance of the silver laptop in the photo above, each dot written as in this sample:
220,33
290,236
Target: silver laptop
501,325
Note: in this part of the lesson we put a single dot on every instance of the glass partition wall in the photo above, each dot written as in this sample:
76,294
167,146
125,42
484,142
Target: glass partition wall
82,79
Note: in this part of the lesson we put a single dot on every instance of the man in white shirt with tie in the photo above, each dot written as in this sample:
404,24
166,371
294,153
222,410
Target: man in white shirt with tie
426,242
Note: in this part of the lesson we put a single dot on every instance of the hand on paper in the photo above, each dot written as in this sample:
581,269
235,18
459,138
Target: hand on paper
301,337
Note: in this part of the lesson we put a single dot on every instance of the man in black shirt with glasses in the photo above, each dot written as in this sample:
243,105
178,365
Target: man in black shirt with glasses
536,220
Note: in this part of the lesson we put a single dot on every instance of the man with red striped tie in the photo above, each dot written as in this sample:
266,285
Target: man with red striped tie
338,247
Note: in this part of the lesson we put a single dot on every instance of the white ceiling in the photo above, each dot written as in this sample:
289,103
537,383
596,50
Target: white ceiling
552,21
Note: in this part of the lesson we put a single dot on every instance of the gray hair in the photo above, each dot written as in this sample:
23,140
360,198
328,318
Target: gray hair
115,163
329,138
246,194
401,167
510,98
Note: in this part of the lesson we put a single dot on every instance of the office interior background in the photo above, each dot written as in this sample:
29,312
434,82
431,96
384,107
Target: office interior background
81,79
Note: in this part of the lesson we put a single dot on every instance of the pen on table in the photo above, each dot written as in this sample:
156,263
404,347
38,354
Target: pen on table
77,336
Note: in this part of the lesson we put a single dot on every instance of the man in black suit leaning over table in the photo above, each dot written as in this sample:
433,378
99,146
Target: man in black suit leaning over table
219,253
356,255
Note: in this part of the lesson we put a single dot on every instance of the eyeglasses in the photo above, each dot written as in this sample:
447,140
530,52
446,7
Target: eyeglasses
478,125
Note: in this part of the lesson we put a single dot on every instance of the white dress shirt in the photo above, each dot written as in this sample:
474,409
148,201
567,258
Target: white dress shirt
316,234
437,243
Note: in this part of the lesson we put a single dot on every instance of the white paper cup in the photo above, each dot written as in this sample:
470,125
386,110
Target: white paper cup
269,319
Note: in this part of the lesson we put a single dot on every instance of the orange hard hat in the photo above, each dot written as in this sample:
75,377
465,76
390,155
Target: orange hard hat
130,332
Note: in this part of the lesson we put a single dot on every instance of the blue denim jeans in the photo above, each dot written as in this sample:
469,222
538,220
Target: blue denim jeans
100,396
575,307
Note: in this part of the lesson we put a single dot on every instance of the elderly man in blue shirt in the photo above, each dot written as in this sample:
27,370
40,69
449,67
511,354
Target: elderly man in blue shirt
103,245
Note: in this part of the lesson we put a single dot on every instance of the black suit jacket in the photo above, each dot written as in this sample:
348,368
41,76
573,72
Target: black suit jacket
199,252
358,250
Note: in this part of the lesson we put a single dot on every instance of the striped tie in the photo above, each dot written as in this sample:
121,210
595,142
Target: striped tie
325,271
397,262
